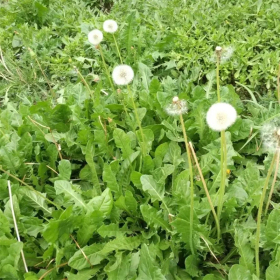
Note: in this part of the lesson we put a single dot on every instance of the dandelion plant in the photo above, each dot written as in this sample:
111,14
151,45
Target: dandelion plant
178,107
221,116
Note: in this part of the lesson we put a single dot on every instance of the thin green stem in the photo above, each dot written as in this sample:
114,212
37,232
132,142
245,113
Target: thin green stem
138,121
223,174
206,191
259,217
191,182
218,78
106,69
273,182
84,82
118,50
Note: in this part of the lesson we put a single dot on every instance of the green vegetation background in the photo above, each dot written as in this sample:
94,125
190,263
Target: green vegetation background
98,194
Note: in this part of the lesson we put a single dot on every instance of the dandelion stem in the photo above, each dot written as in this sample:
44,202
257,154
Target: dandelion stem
138,121
218,78
15,223
118,50
84,81
273,182
278,84
223,174
257,240
206,190
191,182
106,68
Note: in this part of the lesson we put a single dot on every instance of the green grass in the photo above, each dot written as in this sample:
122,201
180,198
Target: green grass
90,201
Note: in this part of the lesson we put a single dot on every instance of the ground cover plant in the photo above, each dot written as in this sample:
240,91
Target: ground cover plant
139,140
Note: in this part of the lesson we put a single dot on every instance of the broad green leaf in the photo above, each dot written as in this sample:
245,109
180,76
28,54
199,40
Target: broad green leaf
91,163
36,201
93,253
4,224
112,230
154,217
110,178
242,238
173,154
147,267
85,274
155,190
90,223
191,265
102,203
239,272
120,269
122,243
272,230
64,187
64,168
272,272
123,142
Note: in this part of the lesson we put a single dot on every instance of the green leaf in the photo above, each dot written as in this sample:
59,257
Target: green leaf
173,154
91,163
102,203
123,142
239,272
110,178
272,272
119,270
155,190
64,168
4,224
93,253
122,243
36,201
272,230
154,218
191,265
147,268
112,230
64,187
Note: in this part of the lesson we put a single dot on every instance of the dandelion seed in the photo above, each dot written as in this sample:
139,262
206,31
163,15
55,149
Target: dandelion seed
224,54
122,75
270,133
221,116
110,26
95,37
177,107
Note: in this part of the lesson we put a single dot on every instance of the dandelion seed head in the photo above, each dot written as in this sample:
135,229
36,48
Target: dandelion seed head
221,116
175,99
95,37
122,75
270,134
110,26
177,107
224,54
218,49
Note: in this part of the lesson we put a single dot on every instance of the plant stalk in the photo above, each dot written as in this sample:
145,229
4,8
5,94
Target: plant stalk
223,174
191,182
273,182
15,224
259,216
118,50
106,68
206,190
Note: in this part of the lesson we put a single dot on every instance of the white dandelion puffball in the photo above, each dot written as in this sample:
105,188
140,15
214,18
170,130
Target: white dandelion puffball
110,26
221,116
95,37
122,75
270,133
177,107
